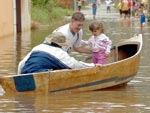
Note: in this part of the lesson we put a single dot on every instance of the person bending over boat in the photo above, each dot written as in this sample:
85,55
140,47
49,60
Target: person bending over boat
50,56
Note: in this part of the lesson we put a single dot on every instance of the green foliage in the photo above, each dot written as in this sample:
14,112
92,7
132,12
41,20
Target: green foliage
40,2
45,3
59,13
39,14
56,2
44,11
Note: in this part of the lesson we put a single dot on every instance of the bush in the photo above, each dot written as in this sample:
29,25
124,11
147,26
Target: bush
43,11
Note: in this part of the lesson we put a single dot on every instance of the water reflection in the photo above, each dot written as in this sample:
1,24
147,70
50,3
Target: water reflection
124,99
134,98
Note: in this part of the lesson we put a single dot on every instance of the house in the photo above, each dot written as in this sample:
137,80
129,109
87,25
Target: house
67,3
15,16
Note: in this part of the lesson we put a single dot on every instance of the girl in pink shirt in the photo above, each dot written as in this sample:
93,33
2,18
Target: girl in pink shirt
99,43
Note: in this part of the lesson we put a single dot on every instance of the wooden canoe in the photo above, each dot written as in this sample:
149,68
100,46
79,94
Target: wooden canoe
122,66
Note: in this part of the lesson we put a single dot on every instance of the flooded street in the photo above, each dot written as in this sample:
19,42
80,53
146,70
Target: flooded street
132,98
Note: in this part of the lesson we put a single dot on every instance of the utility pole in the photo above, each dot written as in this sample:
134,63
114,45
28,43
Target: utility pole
74,5
148,10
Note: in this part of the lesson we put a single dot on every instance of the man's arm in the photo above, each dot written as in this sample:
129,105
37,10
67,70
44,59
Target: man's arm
83,49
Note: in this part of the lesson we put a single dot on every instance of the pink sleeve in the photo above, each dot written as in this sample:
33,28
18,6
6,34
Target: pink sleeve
109,45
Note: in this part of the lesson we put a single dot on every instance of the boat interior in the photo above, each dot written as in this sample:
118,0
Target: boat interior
122,52
126,51
119,53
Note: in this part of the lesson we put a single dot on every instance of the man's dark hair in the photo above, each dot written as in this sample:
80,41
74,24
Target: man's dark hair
78,16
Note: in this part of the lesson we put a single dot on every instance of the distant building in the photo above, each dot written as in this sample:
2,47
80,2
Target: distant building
66,3
14,16
71,4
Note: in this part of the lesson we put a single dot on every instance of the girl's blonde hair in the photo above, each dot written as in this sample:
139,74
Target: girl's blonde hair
96,25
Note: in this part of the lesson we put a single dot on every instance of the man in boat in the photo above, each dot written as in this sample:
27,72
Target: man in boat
50,56
73,32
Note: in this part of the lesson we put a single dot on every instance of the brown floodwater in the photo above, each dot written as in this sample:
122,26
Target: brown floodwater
132,98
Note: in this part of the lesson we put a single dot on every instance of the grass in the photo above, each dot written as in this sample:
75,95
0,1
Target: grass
39,14
44,16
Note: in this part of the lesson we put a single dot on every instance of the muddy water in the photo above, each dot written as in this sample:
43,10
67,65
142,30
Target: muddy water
133,98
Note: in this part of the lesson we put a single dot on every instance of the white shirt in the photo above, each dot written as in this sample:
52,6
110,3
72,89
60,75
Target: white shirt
75,40
54,53
108,2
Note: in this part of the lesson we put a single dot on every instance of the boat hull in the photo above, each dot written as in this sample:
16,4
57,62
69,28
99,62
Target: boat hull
120,69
